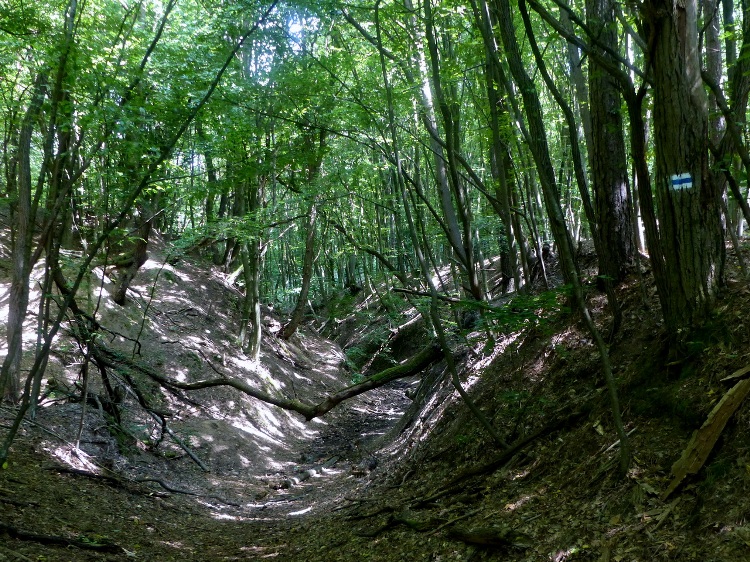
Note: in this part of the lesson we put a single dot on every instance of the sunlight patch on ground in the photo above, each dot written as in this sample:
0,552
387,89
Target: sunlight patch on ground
559,339
260,550
199,342
298,424
372,434
29,331
500,347
259,372
163,266
172,544
299,377
470,381
279,466
520,474
74,458
301,512
269,421
562,555
226,517
180,375
519,502
250,428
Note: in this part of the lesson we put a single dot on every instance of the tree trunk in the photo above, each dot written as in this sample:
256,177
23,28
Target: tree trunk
251,330
540,152
23,224
608,162
139,255
500,162
688,194
307,271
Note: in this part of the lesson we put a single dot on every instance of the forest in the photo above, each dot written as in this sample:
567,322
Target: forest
381,280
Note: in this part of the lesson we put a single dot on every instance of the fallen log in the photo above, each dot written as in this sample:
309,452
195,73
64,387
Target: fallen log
703,440
414,366
411,367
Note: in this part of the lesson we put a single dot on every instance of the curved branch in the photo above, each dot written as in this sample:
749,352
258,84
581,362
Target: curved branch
414,366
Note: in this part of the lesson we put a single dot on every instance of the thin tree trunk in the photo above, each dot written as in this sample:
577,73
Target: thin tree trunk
608,163
540,151
307,272
500,163
23,223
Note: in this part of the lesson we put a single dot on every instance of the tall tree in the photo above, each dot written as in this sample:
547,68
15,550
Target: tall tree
540,151
609,169
688,192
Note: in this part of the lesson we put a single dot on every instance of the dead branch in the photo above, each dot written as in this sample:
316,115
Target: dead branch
505,456
123,483
412,367
16,533
702,443
179,441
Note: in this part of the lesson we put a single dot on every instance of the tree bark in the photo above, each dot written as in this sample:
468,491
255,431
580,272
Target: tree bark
690,222
307,270
608,163
23,225
139,255
251,254
500,162
540,152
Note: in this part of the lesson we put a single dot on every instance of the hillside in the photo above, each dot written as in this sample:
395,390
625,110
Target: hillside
402,472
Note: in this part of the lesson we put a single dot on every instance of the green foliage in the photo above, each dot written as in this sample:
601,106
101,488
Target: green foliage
521,311
96,540
368,346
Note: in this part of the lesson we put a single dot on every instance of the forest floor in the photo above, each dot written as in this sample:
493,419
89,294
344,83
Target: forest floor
381,477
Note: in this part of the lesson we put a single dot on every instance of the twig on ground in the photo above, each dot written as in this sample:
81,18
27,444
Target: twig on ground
179,441
456,520
616,443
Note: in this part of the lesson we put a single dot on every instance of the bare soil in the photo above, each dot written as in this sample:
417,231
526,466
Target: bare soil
365,482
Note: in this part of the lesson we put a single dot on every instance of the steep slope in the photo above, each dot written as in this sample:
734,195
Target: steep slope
366,481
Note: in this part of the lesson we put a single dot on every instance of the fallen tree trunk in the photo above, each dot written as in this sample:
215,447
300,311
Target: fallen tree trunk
703,440
414,366
411,367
